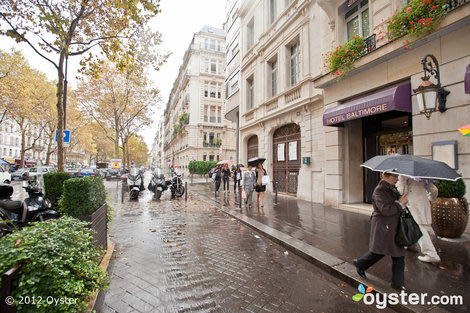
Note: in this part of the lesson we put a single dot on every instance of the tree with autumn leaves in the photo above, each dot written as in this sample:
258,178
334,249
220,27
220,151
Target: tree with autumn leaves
27,99
120,102
94,29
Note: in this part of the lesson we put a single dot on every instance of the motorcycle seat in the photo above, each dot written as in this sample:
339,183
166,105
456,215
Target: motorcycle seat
14,206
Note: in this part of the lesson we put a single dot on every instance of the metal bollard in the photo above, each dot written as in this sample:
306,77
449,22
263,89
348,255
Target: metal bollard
186,191
240,195
275,186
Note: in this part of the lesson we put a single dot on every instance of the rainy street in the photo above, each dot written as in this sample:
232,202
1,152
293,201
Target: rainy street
176,257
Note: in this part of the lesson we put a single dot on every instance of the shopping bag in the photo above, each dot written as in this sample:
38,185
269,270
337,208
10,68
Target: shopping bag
265,180
243,194
408,232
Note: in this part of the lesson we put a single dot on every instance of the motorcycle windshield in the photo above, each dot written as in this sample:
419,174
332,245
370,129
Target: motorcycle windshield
133,171
158,173
40,178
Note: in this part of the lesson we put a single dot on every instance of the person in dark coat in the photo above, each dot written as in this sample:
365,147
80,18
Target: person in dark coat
218,176
387,204
226,177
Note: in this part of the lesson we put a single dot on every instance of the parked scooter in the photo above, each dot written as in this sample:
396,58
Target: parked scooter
15,214
157,184
135,183
176,184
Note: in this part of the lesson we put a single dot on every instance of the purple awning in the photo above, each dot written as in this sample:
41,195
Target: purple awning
466,80
393,99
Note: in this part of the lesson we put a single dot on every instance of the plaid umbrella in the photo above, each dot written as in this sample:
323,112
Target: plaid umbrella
411,166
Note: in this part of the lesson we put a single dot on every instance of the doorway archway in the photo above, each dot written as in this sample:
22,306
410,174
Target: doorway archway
286,158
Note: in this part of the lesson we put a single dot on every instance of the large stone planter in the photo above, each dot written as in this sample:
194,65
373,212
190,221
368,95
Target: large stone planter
449,216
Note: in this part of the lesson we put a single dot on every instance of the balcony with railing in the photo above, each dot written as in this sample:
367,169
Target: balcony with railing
377,49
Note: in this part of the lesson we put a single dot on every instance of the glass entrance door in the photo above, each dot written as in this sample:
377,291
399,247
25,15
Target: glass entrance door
383,136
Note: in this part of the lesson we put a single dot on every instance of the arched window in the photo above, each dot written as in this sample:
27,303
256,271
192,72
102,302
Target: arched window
252,147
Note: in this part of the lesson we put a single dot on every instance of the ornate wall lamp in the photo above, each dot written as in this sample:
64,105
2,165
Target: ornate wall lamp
431,97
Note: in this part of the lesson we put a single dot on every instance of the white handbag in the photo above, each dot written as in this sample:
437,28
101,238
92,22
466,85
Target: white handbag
265,180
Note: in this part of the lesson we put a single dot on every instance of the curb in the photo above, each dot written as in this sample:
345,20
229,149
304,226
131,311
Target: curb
325,261
98,296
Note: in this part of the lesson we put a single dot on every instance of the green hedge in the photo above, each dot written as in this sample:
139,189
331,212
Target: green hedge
54,183
201,167
82,196
451,189
58,261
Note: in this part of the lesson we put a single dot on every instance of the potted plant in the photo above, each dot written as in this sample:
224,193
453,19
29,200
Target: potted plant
450,210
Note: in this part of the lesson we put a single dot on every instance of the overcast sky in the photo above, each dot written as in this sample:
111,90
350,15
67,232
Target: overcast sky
178,22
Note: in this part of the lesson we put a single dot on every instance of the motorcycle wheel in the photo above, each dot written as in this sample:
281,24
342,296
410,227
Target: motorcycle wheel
158,194
179,191
133,194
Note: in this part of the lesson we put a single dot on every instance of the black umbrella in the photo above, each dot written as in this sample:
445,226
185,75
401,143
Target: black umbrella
411,166
234,166
254,161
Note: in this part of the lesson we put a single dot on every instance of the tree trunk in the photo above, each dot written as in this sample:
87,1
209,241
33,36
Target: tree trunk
125,161
23,147
60,114
49,152
116,135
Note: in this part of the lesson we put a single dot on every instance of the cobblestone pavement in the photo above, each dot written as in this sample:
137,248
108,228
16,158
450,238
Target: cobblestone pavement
172,257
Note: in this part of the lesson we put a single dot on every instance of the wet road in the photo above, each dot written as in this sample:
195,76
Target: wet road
172,257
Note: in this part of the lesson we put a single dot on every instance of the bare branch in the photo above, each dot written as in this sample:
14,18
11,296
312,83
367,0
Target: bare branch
27,41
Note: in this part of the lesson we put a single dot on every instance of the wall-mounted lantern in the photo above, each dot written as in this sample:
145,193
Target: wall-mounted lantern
431,97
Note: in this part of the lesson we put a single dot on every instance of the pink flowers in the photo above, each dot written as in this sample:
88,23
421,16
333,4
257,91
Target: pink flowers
408,9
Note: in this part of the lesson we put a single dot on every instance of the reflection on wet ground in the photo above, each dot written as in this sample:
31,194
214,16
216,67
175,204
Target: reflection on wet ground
346,235
173,256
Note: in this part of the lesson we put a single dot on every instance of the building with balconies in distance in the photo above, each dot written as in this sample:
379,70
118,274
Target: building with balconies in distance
195,127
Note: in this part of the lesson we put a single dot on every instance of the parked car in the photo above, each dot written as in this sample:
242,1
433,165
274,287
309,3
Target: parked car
45,169
20,174
5,177
87,172
74,171
113,173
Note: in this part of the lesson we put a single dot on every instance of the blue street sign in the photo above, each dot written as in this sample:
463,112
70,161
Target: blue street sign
66,136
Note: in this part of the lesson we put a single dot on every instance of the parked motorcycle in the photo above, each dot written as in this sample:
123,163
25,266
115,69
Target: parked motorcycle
158,184
135,183
15,214
176,184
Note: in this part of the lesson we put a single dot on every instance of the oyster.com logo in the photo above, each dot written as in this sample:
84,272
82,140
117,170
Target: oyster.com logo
358,296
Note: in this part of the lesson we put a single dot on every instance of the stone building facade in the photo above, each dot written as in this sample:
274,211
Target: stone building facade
195,127
315,129
280,112
374,110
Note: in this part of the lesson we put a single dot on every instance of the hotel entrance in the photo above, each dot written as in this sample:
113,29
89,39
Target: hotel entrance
384,134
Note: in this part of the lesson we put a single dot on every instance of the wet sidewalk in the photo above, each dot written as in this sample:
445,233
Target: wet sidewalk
332,238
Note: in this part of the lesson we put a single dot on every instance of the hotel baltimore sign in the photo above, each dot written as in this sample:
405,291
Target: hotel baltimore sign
354,113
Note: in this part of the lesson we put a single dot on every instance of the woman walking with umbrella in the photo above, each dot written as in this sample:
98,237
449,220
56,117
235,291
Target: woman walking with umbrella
387,204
